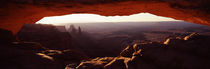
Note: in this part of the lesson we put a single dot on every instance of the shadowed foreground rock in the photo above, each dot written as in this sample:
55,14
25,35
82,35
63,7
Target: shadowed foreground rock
18,55
189,52
32,55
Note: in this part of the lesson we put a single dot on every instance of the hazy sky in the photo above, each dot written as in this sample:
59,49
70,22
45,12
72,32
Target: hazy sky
88,18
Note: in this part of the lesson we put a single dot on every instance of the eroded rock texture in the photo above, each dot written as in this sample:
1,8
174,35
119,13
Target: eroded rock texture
18,55
15,13
32,55
47,35
189,52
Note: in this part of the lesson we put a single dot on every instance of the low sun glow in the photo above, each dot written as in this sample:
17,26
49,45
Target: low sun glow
94,18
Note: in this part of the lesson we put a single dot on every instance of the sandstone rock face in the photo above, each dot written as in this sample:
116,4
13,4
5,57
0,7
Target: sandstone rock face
15,55
13,58
189,52
32,55
47,35
30,46
192,36
117,63
104,63
127,52
195,11
66,57
193,43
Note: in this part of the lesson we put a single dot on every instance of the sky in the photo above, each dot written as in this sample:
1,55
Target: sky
94,18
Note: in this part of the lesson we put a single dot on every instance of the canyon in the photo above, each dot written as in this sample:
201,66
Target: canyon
178,52
26,45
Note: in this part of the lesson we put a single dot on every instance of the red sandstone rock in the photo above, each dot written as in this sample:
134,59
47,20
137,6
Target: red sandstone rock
195,11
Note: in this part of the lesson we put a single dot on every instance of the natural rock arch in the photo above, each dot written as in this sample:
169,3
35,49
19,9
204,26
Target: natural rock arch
14,15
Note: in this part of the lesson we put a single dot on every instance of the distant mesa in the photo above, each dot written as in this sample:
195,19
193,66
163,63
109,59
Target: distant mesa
48,35
73,30
61,28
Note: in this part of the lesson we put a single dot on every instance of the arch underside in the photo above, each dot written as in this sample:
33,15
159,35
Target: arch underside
15,15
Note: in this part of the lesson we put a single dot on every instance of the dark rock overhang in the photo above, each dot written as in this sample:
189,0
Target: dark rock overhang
15,13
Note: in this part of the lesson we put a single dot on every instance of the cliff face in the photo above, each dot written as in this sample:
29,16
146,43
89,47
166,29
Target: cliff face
47,35
14,14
